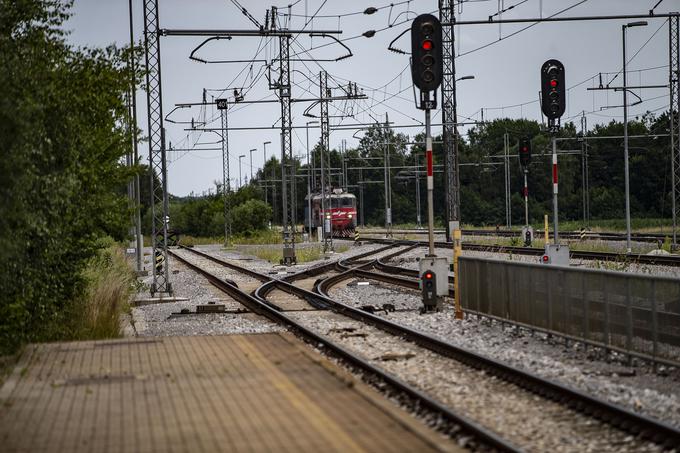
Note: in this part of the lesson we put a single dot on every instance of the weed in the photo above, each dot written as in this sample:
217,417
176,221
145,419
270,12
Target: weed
110,282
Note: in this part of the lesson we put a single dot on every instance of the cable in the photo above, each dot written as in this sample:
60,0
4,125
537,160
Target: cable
638,51
331,16
519,31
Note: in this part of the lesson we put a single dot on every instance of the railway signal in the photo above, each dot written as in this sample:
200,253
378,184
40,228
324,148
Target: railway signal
427,65
553,105
428,285
525,152
427,72
553,90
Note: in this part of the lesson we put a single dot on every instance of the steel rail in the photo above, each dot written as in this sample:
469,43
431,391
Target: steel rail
590,236
620,417
666,260
391,269
658,431
256,305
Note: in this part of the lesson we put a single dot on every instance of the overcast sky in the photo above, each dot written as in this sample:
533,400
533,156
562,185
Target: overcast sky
506,71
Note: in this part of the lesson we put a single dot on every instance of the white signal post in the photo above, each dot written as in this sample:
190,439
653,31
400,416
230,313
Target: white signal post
430,182
526,199
554,176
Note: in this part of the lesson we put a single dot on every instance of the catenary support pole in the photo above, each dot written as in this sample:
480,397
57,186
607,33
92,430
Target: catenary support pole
674,112
135,155
226,183
159,226
625,144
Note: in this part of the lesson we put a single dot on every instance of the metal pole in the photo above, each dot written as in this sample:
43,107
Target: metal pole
526,199
554,174
166,208
226,184
240,182
430,183
309,190
161,282
419,225
584,178
361,197
674,113
388,198
506,145
625,143
251,164
326,203
137,190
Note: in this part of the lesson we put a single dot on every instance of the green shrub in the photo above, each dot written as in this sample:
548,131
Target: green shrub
109,284
251,216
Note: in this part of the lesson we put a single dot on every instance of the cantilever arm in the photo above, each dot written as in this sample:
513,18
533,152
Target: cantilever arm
326,35
193,56
396,50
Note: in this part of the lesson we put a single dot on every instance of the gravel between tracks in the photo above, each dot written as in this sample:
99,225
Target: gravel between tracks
637,388
530,422
156,320
409,260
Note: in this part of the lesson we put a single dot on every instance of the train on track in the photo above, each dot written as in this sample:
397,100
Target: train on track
342,212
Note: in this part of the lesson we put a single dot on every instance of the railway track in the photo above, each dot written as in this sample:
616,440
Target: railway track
477,436
272,297
662,260
588,235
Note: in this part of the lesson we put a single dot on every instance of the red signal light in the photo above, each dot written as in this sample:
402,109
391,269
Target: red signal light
428,45
428,275
553,83
546,258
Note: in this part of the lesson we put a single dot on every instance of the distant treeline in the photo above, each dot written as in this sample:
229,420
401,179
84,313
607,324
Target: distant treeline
481,176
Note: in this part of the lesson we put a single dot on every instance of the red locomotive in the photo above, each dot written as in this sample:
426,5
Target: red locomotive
343,212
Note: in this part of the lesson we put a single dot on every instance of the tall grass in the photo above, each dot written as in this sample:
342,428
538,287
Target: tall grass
109,283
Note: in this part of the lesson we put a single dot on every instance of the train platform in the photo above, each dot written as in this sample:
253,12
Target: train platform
265,392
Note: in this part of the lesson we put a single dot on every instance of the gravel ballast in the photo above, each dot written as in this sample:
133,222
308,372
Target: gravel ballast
529,421
637,388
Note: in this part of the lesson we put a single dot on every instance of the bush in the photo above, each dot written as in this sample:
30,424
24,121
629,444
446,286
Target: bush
109,285
62,136
251,216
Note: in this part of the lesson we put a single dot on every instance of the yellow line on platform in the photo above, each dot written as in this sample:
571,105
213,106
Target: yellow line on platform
316,417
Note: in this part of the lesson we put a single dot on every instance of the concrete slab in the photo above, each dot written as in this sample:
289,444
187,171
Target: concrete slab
219,393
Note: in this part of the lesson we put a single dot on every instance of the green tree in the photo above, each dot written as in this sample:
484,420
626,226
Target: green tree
62,136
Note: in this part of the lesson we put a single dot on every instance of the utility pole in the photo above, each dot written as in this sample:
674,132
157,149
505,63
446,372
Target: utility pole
264,173
240,181
506,150
674,112
625,133
135,153
449,105
286,149
309,183
251,163
584,171
326,229
388,179
222,106
157,163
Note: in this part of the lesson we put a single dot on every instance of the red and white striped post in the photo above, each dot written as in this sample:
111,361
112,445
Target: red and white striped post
554,176
430,181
